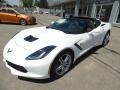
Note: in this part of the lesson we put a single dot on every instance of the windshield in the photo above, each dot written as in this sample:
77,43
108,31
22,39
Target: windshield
70,25
21,11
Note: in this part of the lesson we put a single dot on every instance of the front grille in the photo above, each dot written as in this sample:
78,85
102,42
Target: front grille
17,67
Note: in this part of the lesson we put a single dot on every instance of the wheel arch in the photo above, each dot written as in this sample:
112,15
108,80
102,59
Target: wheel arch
108,31
65,49
23,19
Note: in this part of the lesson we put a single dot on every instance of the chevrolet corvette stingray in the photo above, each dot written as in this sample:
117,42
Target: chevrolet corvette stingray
49,51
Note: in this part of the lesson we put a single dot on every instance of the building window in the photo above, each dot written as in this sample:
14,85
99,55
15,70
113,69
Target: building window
118,19
103,12
89,10
98,8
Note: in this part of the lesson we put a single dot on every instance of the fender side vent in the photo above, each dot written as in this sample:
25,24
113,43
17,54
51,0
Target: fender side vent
78,46
30,38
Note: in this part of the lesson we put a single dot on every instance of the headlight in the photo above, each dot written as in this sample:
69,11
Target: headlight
40,53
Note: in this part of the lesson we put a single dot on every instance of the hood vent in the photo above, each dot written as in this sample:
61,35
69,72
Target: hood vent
30,38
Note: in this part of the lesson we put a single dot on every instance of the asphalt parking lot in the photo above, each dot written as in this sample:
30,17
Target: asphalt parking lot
99,69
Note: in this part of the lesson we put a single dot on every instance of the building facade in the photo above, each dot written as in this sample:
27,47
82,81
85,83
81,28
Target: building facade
106,10
3,3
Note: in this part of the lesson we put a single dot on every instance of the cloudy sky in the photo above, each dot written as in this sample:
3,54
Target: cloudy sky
13,2
16,2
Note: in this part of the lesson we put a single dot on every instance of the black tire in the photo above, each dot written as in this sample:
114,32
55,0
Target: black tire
23,22
106,39
61,63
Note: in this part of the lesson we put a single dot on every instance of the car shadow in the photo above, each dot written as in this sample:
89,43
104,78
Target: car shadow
37,80
78,61
86,55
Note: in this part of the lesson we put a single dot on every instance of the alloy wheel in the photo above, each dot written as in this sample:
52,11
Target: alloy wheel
64,64
106,39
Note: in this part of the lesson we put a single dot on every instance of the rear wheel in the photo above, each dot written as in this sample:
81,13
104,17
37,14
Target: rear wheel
23,22
61,64
106,39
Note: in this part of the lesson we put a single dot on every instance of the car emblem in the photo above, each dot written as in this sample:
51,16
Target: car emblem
9,50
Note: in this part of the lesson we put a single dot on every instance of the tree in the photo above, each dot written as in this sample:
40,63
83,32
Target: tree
43,4
2,1
27,3
36,3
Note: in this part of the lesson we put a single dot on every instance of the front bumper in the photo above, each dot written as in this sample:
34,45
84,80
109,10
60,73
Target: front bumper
16,62
37,71
32,20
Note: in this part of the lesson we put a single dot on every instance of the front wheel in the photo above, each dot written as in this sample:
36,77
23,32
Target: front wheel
106,39
23,22
61,64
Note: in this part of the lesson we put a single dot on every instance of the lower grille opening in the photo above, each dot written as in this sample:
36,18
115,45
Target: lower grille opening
17,67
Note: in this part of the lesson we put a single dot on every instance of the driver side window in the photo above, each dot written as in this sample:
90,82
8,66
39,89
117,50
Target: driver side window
3,10
10,11
90,26
97,23
76,27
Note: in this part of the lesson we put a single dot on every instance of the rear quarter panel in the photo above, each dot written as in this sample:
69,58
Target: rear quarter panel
106,28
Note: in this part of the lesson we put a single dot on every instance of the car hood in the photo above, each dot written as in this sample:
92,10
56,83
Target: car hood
26,15
37,38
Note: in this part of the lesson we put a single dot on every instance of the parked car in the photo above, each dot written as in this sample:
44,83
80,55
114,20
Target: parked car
40,12
57,14
16,15
35,12
47,52
45,12
29,11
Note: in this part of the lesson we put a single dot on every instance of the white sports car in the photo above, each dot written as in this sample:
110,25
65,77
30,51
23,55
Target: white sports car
45,52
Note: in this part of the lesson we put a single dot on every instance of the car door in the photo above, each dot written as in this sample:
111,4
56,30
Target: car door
0,14
96,33
11,16
84,43
3,16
